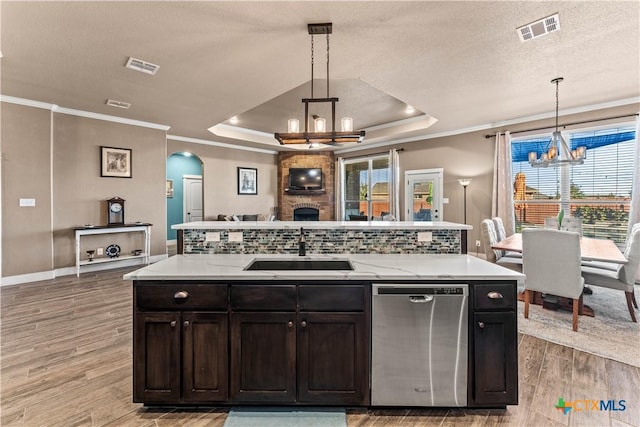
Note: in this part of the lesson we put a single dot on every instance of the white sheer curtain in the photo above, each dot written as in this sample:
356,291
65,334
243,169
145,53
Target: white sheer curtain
502,195
634,212
394,184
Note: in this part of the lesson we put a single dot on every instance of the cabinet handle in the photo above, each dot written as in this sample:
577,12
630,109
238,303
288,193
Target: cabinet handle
173,323
290,324
481,325
495,295
303,323
186,323
181,295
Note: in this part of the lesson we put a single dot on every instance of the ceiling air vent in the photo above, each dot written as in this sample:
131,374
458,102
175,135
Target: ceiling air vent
539,28
118,104
142,66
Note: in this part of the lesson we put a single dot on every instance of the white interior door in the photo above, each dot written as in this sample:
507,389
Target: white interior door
192,202
423,195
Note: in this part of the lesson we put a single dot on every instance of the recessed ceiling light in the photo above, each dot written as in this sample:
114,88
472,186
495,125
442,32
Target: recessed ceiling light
409,109
233,120
539,28
118,104
142,66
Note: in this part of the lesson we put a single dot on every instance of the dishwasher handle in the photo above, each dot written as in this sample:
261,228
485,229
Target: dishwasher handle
420,299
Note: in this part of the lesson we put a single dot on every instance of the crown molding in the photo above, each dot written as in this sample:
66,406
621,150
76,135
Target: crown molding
81,113
220,144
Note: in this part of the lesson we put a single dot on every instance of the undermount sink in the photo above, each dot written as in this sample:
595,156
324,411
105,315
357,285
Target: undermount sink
300,264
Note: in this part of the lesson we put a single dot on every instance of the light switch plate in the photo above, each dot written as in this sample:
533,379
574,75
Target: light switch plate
212,236
235,236
27,202
445,200
425,236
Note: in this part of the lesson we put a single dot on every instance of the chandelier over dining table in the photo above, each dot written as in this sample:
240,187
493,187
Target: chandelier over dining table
320,134
558,151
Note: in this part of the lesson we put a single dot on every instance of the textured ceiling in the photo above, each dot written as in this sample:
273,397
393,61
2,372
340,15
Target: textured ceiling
461,63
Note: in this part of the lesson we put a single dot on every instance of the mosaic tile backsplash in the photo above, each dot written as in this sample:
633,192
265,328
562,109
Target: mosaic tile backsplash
339,241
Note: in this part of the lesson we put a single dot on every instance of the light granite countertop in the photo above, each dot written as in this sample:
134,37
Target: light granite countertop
311,225
369,267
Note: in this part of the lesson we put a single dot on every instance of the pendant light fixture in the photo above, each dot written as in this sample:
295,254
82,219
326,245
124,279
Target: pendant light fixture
320,133
558,151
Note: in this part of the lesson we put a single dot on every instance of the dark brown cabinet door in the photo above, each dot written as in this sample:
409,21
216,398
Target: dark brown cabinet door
495,358
205,357
156,357
263,352
333,358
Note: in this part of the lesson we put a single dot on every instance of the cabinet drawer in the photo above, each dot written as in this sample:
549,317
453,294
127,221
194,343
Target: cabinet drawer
181,297
494,297
331,298
263,297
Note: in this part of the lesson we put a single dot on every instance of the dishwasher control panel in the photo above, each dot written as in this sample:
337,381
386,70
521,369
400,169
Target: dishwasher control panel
420,289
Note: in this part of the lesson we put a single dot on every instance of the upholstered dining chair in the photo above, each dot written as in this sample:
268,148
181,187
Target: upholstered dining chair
569,223
624,276
551,262
502,234
612,265
490,237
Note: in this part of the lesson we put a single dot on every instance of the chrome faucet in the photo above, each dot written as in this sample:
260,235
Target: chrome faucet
302,245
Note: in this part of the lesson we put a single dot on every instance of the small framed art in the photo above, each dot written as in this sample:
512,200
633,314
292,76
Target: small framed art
247,180
115,162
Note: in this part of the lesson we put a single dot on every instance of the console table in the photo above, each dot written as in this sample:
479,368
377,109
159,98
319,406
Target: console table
137,227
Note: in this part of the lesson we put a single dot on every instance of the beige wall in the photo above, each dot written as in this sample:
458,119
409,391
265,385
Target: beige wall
26,173
220,178
80,193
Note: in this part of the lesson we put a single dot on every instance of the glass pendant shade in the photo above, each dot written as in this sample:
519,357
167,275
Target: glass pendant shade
320,124
293,126
347,124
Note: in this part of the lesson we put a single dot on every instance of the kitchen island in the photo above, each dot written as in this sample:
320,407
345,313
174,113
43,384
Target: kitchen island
209,331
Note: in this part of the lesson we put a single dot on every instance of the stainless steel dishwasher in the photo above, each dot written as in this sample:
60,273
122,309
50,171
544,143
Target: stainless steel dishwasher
419,344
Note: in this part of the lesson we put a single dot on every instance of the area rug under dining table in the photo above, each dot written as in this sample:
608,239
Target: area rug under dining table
610,333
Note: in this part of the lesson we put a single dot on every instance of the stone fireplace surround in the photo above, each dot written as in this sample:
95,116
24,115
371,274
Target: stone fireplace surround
323,201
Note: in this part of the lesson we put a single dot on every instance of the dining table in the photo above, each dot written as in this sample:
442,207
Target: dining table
591,249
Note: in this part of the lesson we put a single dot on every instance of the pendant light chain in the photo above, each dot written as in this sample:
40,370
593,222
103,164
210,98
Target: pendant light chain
312,67
327,65
557,101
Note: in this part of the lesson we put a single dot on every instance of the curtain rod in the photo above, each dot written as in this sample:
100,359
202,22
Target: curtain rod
567,124
364,156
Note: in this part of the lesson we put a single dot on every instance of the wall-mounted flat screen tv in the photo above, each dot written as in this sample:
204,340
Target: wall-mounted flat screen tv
305,179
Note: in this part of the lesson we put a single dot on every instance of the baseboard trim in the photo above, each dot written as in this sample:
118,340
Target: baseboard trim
25,278
67,271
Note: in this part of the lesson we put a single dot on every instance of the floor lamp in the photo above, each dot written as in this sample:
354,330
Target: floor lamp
464,182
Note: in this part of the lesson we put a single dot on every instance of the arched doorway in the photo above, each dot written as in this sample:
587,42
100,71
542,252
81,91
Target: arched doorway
184,182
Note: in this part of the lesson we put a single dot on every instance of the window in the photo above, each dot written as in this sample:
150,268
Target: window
599,191
365,183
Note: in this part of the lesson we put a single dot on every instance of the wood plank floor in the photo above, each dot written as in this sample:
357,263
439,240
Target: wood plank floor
65,360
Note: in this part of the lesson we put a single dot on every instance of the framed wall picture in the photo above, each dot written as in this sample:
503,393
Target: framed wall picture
247,180
115,162
169,188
